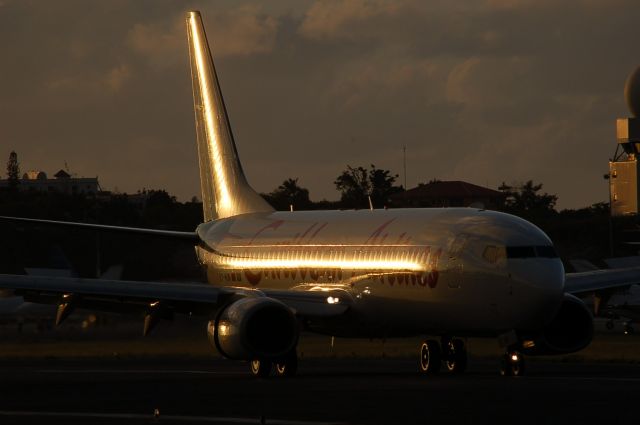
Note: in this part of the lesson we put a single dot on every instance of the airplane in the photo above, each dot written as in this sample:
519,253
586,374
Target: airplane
14,309
442,273
613,304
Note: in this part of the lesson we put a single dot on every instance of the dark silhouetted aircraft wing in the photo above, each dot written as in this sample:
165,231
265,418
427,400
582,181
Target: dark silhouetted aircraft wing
169,298
596,280
187,236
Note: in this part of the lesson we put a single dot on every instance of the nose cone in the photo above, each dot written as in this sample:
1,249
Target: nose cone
534,278
537,290
536,273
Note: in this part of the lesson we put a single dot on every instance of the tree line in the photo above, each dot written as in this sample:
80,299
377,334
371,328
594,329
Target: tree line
582,233
359,187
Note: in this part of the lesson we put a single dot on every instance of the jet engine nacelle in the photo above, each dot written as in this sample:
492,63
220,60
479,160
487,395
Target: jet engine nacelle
570,330
254,328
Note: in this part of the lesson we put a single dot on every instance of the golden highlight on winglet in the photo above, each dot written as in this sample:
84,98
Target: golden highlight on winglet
225,191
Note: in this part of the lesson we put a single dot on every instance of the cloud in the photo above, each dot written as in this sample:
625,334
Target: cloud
98,83
523,89
486,90
499,85
242,31
334,18
117,77
158,42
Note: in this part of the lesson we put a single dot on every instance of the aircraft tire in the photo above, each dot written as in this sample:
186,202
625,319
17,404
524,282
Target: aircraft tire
261,368
512,364
430,357
456,359
288,366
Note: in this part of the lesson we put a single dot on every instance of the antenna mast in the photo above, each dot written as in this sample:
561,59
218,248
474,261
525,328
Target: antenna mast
404,165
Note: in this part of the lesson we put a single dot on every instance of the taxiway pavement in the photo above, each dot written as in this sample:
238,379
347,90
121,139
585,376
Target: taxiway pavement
349,391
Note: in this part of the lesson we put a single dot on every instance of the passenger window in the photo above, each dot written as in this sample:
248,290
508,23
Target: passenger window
493,254
457,245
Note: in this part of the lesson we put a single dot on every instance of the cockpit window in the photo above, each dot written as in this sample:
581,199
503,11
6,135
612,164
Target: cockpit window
520,252
531,252
546,252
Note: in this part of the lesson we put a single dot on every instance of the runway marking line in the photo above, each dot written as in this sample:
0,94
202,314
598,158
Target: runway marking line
211,372
141,371
210,419
583,378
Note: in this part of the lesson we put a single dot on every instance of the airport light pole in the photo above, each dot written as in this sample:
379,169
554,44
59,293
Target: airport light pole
404,165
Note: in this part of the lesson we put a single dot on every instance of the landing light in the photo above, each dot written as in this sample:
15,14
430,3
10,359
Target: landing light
223,329
514,357
333,300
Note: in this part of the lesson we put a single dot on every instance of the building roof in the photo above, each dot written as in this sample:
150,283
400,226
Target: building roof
448,189
62,175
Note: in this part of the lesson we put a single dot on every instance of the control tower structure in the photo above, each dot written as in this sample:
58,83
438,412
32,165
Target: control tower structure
624,169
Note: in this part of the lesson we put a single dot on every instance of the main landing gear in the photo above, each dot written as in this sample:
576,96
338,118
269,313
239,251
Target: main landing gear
285,367
455,359
450,352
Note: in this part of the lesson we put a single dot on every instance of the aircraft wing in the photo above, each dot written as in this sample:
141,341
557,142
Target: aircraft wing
166,298
141,297
597,280
187,236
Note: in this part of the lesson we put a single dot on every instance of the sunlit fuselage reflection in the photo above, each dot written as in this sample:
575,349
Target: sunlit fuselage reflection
403,271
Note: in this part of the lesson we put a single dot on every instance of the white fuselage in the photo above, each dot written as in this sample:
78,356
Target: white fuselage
406,271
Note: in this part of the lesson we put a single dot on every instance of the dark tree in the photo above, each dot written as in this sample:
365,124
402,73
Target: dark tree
354,185
382,186
357,184
160,209
13,170
525,200
287,194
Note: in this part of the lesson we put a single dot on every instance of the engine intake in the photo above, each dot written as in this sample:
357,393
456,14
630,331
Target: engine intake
570,330
254,328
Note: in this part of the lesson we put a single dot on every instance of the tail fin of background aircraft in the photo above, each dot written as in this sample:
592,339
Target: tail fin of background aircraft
225,190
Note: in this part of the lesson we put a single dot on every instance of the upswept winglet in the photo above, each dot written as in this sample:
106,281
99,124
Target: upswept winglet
225,190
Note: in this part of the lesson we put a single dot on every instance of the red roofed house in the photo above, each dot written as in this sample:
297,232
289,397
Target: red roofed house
440,194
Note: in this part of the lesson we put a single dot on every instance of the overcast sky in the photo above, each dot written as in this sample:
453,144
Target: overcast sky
481,91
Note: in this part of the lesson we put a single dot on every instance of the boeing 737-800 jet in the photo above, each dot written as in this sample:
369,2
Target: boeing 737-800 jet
444,273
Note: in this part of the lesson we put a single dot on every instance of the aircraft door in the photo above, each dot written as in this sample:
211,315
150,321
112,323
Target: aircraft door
455,266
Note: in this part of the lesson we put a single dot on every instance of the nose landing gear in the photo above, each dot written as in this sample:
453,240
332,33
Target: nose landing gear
512,363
